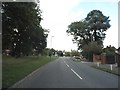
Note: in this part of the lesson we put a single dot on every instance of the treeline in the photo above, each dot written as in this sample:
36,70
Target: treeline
53,52
22,34
89,33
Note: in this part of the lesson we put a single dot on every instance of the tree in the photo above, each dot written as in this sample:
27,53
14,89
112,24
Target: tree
52,51
110,54
46,51
90,49
90,31
97,24
22,32
80,33
92,28
75,53
67,53
109,50
60,53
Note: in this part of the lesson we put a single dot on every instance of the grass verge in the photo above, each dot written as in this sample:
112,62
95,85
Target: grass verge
14,69
107,70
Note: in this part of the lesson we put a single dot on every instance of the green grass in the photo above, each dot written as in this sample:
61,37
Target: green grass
107,70
14,69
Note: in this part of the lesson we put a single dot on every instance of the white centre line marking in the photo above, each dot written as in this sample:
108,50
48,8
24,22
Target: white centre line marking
76,74
67,65
64,62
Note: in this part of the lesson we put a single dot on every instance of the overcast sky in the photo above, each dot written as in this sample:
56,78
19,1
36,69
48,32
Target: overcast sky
58,14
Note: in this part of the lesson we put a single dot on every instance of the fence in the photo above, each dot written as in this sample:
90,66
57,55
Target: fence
104,59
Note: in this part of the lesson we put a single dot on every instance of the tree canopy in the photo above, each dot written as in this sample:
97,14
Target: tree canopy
22,33
97,24
90,48
90,31
109,50
92,28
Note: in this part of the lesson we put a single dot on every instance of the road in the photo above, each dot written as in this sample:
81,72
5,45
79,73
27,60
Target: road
65,73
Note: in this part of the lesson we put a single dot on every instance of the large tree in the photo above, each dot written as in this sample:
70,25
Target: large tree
21,27
92,28
80,32
91,48
97,24
89,30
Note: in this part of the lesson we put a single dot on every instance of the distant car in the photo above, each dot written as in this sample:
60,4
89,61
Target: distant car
77,57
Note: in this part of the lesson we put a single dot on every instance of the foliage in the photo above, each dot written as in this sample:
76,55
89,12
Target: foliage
98,24
46,51
89,33
80,33
109,50
92,47
60,53
52,52
75,53
92,28
67,53
22,33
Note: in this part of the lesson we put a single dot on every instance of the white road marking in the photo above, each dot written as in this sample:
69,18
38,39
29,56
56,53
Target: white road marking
64,62
76,74
74,71
67,65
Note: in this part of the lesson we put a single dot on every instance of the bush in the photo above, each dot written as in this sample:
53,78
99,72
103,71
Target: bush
90,49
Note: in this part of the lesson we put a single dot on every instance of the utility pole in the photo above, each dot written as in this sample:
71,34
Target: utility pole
51,47
51,41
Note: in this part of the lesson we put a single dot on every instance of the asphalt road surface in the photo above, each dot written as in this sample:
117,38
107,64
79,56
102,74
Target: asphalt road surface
66,73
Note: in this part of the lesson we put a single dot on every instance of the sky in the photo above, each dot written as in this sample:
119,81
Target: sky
58,14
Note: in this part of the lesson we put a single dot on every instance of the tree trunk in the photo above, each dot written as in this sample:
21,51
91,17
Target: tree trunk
95,36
